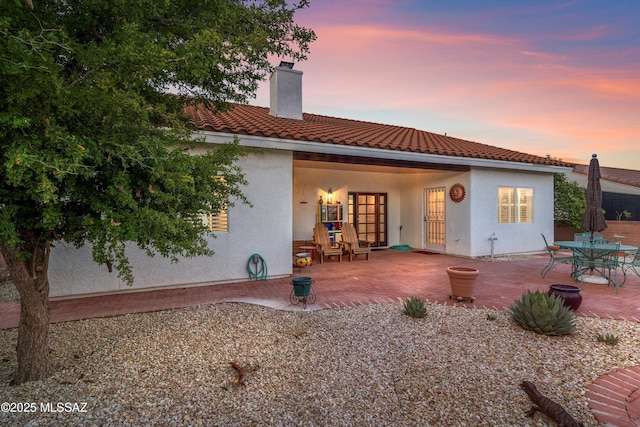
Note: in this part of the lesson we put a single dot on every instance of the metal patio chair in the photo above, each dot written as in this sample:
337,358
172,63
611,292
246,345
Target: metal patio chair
555,258
633,265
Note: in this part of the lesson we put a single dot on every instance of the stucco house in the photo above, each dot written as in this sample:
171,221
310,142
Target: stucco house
398,185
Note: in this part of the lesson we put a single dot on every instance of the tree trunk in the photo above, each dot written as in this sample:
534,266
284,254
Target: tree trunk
30,279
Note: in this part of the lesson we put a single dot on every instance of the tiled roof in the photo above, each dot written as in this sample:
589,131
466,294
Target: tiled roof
256,121
620,176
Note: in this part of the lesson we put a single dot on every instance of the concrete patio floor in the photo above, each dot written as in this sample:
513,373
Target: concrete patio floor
391,275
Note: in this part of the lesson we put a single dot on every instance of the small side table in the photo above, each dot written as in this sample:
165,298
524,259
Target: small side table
313,250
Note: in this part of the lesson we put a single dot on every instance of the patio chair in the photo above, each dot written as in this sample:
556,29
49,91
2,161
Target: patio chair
633,265
352,244
582,237
326,248
554,259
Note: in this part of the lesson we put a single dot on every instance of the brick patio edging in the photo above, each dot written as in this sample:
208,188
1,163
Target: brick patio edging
614,398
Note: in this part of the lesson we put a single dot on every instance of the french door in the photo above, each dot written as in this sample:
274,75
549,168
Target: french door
368,213
434,225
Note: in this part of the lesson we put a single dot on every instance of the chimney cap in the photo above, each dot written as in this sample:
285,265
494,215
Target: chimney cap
286,64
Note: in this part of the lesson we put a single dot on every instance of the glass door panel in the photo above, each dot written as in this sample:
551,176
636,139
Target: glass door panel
434,217
367,211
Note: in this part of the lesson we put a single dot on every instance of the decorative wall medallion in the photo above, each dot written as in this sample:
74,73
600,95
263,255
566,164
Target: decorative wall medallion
457,193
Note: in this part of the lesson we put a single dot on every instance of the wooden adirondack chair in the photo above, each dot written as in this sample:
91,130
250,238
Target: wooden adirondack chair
352,244
326,248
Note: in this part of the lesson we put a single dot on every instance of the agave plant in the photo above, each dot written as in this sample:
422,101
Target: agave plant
543,313
415,307
609,339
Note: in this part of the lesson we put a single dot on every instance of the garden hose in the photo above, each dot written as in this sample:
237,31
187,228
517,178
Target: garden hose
257,273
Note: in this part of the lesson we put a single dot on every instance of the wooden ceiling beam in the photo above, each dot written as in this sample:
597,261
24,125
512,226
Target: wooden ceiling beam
339,158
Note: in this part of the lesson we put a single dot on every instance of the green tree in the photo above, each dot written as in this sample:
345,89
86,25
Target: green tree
94,142
569,201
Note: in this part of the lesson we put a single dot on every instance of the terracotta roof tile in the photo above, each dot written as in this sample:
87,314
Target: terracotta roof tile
256,121
620,176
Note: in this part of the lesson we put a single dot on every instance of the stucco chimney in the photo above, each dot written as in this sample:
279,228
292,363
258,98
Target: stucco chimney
286,92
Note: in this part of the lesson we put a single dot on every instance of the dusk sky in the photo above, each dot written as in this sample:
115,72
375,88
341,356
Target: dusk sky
558,78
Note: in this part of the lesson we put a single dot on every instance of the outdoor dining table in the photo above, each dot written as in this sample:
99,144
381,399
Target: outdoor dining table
591,253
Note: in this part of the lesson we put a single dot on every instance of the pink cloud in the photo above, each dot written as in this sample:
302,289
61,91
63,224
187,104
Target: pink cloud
489,88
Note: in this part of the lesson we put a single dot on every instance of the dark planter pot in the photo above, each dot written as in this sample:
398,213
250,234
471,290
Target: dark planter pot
302,286
570,295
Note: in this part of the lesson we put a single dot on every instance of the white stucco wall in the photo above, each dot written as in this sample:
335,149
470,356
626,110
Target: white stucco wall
511,238
469,223
264,228
456,214
277,189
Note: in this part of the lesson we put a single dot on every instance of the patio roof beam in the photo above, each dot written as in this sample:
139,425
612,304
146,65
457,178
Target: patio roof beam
371,161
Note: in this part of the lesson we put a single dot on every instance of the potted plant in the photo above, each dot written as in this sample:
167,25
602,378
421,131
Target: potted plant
463,281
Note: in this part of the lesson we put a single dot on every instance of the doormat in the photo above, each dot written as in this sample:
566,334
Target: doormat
426,253
401,247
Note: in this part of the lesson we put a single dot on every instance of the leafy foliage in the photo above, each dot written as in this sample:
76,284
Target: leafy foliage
569,201
543,313
93,147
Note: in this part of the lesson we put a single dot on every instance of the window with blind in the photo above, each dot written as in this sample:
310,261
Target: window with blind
515,205
219,223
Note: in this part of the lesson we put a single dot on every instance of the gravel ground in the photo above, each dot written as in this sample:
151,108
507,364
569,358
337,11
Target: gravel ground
364,366
8,292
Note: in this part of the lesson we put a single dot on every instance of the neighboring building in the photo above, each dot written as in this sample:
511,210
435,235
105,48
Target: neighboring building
397,185
620,190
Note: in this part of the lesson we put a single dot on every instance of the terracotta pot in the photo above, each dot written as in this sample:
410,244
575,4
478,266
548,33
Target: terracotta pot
463,281
570,295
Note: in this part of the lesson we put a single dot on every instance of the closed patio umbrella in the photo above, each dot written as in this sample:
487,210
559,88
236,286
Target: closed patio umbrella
593,219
